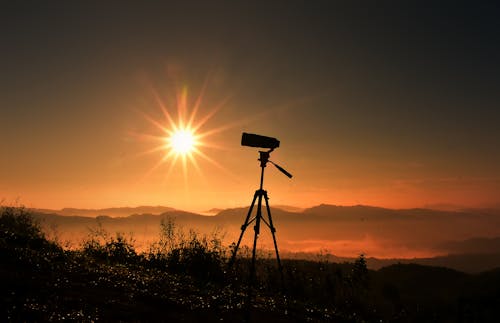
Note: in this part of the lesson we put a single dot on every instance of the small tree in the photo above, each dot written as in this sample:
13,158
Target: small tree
359,274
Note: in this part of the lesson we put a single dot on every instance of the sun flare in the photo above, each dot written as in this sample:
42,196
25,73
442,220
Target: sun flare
182,141
184,137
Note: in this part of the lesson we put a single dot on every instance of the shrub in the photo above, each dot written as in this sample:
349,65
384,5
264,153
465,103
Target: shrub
117,249
201,257
120,249
18,229
197,258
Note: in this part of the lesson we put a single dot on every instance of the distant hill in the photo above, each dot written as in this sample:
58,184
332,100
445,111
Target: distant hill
351,213
371,213
111,212
237,215
213,211
289,208
474,245
466,262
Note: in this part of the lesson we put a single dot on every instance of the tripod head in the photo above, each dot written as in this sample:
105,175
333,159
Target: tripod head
264,158
253,140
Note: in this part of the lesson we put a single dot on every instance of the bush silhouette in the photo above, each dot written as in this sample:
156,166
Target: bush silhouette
116,249
18,229
200,257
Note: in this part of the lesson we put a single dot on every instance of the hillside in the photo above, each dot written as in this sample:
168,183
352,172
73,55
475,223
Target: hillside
189,281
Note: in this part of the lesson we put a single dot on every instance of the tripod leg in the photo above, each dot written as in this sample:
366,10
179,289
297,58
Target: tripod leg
243,228
256,236
273,230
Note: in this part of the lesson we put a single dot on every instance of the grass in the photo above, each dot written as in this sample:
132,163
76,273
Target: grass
184,277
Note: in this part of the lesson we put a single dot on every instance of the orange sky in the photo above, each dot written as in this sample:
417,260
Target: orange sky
370,106
107,166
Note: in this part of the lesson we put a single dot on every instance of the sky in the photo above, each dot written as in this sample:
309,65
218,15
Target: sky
385,103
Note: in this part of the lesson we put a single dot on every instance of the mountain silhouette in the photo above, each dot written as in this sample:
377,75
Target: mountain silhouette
111,212
345,231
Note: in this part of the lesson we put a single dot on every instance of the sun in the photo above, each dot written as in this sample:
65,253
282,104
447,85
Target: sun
184,135
182,141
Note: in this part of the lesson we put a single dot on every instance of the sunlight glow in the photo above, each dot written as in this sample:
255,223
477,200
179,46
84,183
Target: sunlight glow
181,136
182,141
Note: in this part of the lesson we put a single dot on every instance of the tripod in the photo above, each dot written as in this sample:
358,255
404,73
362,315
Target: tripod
259,194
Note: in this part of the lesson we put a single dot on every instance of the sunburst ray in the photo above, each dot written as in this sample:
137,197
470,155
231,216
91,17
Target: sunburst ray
182,136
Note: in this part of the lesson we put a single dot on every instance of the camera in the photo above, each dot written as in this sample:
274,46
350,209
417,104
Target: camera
253,140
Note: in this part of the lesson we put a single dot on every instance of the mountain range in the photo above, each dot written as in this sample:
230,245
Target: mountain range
344,231
112,212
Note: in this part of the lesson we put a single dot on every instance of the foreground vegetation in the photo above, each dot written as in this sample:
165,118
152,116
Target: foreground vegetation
184,277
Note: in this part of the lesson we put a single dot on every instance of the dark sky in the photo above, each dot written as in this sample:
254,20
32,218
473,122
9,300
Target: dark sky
393,103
